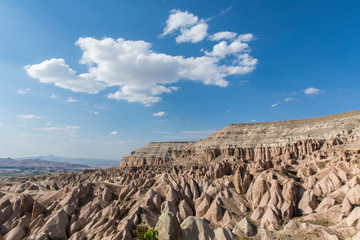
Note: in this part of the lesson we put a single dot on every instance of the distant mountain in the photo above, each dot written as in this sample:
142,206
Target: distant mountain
16,168
99,163
38,163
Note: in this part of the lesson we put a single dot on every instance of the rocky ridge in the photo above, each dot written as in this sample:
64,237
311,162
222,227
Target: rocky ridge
155,153
303,184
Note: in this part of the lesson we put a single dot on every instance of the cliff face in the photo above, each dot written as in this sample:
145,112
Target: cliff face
155,153
291,139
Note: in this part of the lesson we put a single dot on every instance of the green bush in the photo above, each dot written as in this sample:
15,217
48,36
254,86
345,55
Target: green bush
144,233
151,234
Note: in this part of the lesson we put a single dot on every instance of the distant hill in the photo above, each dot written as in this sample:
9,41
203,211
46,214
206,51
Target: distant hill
38,163
11,167
98,163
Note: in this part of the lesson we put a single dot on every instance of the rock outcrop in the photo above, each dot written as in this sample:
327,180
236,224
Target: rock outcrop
155,153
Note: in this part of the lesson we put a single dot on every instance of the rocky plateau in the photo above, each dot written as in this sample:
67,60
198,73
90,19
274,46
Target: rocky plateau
296,179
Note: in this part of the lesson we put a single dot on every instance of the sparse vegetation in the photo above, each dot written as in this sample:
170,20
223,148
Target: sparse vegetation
322,222
151,234
243,237
339,198
144,233
322,164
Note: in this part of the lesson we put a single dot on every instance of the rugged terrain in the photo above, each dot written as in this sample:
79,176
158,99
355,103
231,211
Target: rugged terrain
297,179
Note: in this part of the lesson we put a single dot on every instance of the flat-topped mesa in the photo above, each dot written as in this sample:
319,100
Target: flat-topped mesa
292,139
266,140
155,153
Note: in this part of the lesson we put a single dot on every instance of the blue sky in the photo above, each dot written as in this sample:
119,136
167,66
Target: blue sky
101,78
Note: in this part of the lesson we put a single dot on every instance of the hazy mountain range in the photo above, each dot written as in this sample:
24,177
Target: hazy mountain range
16,168
98,163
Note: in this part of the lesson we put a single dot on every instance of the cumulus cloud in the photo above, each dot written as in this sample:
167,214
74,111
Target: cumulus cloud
192,29
28,116
71,99
143,75
237,46
56,71
194,34
222,35
114,133
159,114
53,96
178,19
311,90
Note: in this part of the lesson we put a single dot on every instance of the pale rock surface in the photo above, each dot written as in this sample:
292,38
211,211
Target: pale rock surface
308,202
223,234
244,227
56,226
194,228
184,210
107,194
17,233
354,218
168,227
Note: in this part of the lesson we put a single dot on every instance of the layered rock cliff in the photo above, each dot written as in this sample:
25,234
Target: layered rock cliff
155,153
291,139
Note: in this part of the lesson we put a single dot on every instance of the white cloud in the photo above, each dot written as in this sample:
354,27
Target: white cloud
28,116
246,37
143,75
94,112
288,99
68,130
53,96
113,133
237,46
194,34
311,90
253,121
225,11
178,19
274,105
191,28
23,91
222,35
56,71
159,114
71,99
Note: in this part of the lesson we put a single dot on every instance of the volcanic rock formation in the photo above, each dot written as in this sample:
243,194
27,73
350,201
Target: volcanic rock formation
297,179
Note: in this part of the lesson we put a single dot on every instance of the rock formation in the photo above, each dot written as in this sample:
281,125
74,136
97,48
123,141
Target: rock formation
295,179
